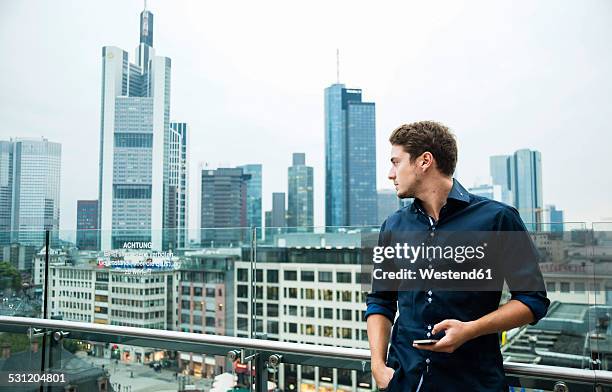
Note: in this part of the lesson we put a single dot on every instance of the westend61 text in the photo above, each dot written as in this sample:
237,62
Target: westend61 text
431,274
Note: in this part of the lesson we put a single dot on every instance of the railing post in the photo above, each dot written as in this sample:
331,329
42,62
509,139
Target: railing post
261,374
45,314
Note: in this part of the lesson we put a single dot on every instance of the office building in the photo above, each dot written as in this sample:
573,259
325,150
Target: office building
388,203
224,207
493,192
254,196
300,199
553,219
141,187
29,190
87,225
350,158
499,167
521,175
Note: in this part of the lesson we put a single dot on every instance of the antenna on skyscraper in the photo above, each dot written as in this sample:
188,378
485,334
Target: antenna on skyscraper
145,8
338,66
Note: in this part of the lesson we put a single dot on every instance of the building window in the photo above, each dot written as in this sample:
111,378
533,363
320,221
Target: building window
272,293
328,331
565,287
242,291
272,310
343,277
325,276
551,286
308,294
307,276
579,287
272,276
290,275
243,307
326,295
243,275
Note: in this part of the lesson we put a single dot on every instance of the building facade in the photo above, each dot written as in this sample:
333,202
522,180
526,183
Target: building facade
140,152
87,225
29,190
300,195
350,158
224,207
520,174
254,195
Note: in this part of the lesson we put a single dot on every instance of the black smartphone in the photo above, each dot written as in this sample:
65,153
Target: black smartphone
426,341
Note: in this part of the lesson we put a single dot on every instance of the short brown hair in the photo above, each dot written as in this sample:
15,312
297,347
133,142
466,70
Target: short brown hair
418,137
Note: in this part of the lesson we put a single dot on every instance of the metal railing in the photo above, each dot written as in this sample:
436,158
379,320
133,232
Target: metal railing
266,352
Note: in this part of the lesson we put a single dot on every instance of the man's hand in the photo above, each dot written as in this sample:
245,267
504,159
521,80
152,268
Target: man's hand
457,333
382,376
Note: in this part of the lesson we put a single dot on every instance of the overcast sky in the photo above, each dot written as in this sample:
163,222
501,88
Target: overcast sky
248,77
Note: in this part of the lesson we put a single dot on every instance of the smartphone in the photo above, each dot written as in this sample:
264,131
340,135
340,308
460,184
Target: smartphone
426,341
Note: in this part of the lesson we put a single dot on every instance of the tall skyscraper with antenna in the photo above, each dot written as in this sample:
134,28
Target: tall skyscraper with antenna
350,157
141,154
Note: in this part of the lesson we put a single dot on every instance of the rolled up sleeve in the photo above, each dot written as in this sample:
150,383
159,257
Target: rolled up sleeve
382,302
521,265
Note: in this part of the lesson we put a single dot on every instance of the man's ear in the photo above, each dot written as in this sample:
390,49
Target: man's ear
426,160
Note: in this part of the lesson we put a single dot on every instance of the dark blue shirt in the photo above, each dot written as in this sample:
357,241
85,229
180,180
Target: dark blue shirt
477,365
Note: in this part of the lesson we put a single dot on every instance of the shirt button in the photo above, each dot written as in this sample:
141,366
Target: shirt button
429,292
431,234
430,266
429,259
428,334
427,361
429,299
429,327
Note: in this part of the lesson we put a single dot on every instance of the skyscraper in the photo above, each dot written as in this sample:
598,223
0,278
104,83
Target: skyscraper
300,201
6,190
179,180
29,189
87,225
253,195
278,217
553,219
224,207
388,203
140,153
526,185
520,177
350,158
492,192
499,167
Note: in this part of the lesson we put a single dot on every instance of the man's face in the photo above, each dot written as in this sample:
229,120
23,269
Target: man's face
403,173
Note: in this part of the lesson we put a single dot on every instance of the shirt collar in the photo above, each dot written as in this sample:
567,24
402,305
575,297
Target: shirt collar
457,193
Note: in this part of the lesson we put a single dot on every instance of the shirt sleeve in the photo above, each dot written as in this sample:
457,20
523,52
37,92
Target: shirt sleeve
520,262
382,302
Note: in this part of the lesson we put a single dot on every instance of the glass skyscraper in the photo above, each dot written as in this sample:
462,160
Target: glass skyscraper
87,225
300,200
499,166
141,187
254,191
526,180
224,207
350,158
29,190
520,175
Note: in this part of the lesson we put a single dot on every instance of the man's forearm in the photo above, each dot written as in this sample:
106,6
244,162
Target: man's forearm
511,315
379,329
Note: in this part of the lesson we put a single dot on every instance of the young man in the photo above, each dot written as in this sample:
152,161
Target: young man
467,356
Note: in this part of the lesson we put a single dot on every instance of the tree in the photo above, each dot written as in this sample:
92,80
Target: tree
9,276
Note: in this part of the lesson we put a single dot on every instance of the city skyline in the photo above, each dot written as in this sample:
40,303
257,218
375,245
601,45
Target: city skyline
391,82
